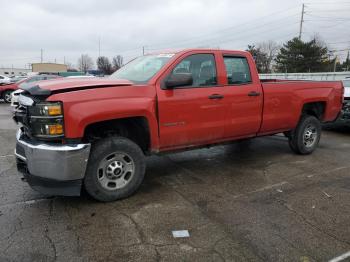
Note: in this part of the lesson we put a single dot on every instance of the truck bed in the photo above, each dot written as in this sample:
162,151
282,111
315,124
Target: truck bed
283,100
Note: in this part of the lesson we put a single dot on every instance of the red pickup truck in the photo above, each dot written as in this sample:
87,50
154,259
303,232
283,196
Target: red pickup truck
96,133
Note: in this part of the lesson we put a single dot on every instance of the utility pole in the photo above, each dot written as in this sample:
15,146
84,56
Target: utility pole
335,63
64,60
301,21
41,55
143,50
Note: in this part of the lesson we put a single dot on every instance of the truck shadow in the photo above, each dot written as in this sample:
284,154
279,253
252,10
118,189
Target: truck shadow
343,128
232,161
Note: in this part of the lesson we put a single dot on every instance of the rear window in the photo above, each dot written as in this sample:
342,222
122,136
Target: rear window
237,70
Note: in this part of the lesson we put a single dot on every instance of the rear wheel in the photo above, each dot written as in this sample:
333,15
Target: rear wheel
6,95
115,170
305,138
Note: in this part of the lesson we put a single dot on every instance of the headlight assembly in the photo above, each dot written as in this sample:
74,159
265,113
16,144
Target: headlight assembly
46,120
46,109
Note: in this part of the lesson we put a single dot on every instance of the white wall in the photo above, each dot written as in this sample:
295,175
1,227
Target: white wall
307,76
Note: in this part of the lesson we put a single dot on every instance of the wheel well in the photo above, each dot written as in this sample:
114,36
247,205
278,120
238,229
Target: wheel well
316,109
134,128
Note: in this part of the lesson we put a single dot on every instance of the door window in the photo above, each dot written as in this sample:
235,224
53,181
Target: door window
202,67
237,70
33,79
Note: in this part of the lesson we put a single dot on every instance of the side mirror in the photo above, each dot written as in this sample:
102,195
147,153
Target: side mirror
179,79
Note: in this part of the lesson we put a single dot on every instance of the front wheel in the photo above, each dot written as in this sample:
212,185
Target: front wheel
7,96
115,169
305,138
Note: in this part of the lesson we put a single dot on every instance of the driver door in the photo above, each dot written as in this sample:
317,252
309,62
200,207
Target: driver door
192,114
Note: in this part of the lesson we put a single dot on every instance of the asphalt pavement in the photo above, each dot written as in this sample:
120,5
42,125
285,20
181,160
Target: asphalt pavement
249,201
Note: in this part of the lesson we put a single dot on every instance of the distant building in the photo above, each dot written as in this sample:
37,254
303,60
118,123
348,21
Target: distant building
9,71
49,68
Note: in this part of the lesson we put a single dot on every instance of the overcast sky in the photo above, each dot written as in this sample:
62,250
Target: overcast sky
67,28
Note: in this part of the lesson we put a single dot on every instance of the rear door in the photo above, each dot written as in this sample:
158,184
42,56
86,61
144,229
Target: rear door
193,114
244,97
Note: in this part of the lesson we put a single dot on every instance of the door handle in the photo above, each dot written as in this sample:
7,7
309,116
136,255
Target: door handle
253,93
216,96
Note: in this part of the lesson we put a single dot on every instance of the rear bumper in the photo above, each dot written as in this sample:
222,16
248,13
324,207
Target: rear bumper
52,169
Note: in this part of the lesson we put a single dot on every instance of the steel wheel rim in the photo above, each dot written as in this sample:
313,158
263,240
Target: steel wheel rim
310,135
115,171
7,97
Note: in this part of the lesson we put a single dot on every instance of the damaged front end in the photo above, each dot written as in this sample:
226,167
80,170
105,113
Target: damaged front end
47,164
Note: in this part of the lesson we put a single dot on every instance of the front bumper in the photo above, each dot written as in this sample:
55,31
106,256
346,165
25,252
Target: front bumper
52,169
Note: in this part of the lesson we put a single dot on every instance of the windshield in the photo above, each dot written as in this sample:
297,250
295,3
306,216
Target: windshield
142,69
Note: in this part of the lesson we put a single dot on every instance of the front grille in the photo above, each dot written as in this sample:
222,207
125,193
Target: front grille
21,116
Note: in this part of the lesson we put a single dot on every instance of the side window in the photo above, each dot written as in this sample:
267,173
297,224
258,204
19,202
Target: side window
33,79
237,70
50,77
202,67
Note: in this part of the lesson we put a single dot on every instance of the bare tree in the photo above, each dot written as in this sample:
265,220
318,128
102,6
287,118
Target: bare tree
85,63
70,67
117,62
270,49
104,65
260,58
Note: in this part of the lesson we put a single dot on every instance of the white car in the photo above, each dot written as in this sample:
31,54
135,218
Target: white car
346,84
4,80
15,96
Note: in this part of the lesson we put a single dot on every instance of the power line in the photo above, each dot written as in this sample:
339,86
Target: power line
226,29
220,38
329,17
230,39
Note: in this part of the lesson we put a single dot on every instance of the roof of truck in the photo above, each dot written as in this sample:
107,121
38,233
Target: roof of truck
185,50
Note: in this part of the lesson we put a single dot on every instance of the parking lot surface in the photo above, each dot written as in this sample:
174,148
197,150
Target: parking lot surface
250,201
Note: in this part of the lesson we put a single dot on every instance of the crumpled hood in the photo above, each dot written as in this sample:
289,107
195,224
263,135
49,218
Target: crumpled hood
49,87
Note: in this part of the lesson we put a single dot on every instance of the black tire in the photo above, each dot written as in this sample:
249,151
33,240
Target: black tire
6,95
306,136
100,152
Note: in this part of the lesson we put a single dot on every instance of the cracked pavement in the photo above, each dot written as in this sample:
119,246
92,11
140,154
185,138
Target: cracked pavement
249,201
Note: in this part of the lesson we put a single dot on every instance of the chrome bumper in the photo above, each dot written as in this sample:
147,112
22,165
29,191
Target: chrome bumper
50,161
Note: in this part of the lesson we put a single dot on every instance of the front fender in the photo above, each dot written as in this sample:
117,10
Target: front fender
83,108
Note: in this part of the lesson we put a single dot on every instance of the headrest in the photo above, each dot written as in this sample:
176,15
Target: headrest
206,72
